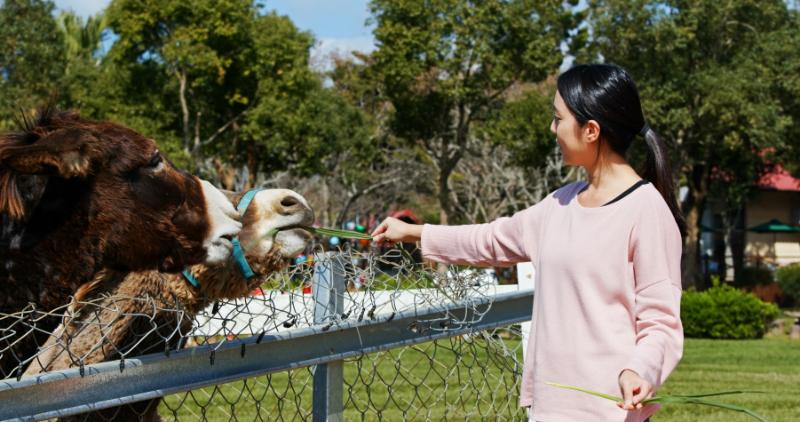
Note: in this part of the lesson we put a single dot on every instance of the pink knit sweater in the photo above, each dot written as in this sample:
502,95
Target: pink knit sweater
607,294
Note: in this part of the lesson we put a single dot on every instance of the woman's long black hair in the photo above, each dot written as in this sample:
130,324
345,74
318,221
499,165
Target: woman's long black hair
607,94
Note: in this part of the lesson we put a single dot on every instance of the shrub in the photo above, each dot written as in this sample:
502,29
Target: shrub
789,280
723,312
751,276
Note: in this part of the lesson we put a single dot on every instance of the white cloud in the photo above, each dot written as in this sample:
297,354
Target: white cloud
326,47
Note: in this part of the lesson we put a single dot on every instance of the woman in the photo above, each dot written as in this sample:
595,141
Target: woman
607,252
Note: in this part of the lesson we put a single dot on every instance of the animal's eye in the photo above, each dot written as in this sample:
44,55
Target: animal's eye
155,161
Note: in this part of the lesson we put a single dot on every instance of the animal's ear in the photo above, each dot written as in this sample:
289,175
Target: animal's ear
64,152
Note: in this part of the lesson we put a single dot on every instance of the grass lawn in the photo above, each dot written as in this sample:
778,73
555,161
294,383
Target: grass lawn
771,365
456,379
482,381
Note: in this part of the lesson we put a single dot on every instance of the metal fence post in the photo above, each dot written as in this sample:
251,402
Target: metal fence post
328,290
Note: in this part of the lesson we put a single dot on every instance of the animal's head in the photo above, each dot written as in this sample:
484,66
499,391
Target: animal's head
132,205
272,221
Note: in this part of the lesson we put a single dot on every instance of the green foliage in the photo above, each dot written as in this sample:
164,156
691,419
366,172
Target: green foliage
301,129
32,58
222,87
445,54
523,126
718,80
789,280
706,77
752,276
723,312
230,88
447,65
81,40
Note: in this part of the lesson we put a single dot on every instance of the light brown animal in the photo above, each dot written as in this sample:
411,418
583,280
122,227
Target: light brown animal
149,312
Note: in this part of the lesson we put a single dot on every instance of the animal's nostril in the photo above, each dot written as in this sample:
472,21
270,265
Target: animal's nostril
289,201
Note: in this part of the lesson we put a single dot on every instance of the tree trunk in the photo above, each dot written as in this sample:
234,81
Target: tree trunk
354,195
444,202
184,112
693,208
196,143
445,207
252,165
225,174
326,201
720,245
737,242
692,275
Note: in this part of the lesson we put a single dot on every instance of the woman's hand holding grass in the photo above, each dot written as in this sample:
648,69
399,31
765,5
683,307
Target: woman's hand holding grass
392,230
634,390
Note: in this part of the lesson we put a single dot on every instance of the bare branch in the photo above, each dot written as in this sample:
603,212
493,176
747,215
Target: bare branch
221,130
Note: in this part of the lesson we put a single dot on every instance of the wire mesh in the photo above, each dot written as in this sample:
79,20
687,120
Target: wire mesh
466,377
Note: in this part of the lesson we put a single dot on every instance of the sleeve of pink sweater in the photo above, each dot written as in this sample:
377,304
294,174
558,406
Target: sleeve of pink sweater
503,242
656,250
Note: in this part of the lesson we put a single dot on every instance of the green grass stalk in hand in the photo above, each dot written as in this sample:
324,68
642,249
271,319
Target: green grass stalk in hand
676,399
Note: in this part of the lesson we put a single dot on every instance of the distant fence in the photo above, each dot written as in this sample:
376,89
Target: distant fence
413,344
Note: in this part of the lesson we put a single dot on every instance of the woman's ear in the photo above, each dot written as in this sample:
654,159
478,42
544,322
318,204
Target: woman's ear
591,131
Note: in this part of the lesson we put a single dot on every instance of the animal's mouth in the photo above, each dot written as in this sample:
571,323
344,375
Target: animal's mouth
298,229
292,227
301,228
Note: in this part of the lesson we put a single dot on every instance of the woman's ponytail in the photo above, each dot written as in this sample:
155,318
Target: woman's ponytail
657,170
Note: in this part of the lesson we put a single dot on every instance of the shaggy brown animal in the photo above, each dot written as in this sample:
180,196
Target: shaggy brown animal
77,196
150,312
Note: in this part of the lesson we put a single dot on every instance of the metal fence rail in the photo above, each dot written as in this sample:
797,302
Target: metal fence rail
332,338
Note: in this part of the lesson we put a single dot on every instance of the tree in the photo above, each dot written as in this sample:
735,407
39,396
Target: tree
229,87
709,84
447,64
493,185
31,57
81,86
204,47
517,161
81,40
522,124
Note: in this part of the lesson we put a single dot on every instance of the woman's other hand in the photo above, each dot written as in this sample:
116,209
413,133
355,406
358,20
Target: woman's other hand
392,230
634,390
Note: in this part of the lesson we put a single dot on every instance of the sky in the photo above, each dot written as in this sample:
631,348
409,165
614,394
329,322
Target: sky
338,25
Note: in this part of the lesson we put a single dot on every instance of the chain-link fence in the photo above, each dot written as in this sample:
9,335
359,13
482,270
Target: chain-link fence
357,334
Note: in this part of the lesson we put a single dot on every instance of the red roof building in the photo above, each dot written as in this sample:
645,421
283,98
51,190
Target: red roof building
780,180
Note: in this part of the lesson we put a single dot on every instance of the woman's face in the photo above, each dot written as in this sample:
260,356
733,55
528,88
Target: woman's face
578,143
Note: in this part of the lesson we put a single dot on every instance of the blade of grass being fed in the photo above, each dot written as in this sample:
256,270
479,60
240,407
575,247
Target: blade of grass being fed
345,234
676,399
323,231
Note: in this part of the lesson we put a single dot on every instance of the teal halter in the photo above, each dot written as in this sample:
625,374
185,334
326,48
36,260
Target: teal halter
238,252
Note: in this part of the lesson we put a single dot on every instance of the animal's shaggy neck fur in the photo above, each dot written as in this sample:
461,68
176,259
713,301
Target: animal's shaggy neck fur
225,282
148,296
150,310
38,213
